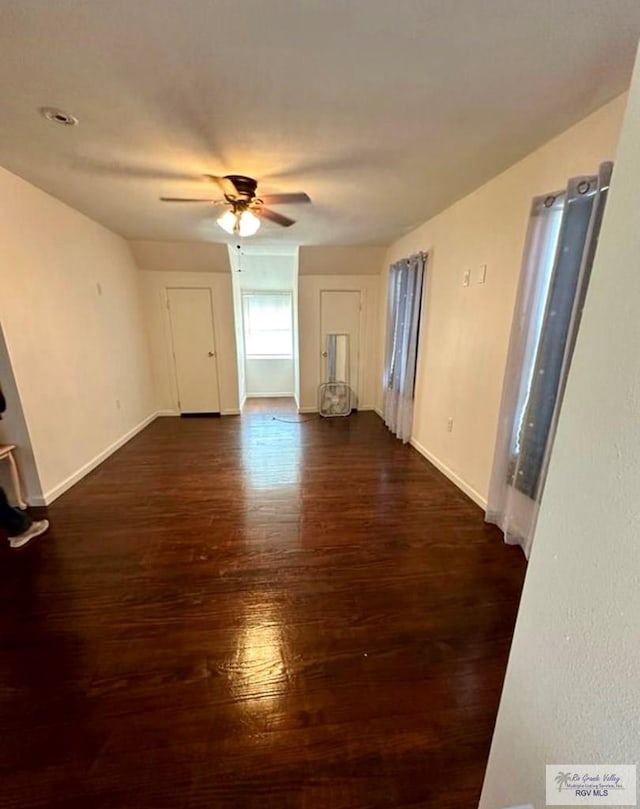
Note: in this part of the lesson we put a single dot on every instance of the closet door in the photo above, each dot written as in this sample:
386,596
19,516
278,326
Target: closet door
194,350
340,314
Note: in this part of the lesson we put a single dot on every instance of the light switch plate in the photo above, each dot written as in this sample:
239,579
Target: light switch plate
466,278
482,277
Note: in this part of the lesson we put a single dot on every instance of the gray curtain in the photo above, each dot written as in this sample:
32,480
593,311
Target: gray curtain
406,279
561,243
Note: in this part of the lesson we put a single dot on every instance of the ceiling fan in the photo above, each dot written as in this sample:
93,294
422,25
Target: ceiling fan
244,207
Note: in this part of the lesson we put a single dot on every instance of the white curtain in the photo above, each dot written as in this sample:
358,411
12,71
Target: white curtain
406,279
559,250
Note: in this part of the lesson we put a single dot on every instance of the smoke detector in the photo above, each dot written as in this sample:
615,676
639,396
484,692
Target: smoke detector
58,116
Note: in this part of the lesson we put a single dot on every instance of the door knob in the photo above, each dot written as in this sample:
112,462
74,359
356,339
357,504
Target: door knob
212,353
324,354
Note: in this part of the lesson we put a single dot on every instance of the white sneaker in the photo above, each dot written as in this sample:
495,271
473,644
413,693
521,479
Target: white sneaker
34,530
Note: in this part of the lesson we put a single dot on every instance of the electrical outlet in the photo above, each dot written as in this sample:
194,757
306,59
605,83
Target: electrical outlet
450,424
466,278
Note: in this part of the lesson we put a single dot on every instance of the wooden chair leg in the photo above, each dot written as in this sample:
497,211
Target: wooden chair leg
15,480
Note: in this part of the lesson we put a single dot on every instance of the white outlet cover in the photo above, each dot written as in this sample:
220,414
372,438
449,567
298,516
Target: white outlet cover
466,278
482,277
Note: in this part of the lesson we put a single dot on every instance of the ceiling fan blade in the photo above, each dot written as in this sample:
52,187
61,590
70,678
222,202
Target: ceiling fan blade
187,199
278,218
225,185
285,199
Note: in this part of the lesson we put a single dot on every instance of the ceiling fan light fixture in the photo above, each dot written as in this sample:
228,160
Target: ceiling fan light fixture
228,221
240,223
248,224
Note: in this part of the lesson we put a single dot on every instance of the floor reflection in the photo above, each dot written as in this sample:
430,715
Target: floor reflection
258,672
270,441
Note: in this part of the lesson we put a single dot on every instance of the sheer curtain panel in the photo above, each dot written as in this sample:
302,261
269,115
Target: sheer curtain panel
559,251
406,279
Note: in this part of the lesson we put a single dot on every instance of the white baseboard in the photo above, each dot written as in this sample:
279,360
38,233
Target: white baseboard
379,412
163,413
281,395
453,477
52,494
360,409
234,411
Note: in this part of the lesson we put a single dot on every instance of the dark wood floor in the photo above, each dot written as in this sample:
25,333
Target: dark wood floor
246,612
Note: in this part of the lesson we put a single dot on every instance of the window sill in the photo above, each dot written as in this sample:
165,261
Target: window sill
269,356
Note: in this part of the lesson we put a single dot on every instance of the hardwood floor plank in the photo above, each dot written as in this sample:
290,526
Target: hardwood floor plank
251,612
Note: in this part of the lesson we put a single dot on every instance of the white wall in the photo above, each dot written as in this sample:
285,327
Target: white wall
154,286
71,315
239,333
572,689
309,289
296,338
269,376
466,330
267,271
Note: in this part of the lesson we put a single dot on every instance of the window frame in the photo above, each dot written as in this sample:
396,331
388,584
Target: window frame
285,293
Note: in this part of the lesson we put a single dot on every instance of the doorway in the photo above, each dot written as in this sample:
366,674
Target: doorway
14,431
340,314
194,350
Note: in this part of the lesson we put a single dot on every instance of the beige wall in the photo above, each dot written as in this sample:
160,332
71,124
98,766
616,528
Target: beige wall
572,690
335,260
181,256
309,289
154,286
71,315
466,329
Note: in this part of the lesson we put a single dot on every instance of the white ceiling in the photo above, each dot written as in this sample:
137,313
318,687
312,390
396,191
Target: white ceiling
383,112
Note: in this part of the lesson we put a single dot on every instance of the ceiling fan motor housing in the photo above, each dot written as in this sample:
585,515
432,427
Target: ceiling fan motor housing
246,186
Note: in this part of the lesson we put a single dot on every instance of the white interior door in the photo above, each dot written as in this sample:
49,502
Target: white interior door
340,314
194,350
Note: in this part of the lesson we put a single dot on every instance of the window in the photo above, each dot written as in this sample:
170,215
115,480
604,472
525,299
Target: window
558,256
564,298
543,246
267,324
